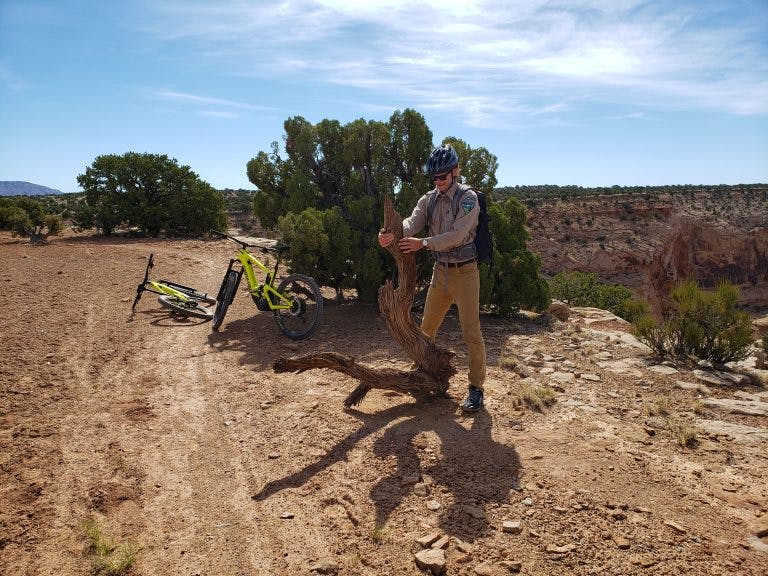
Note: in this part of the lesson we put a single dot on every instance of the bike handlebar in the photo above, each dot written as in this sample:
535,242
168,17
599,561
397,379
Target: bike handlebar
279,247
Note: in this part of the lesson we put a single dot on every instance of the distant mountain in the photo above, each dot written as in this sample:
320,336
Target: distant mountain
16,188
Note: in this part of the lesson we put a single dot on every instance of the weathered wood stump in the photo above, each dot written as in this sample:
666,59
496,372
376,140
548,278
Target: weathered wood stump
434,367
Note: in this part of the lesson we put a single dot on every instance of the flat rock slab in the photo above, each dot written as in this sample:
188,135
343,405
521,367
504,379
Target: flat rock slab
747,407
719,378
625,366
740,432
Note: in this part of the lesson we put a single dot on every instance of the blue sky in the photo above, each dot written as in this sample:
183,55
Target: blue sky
584,92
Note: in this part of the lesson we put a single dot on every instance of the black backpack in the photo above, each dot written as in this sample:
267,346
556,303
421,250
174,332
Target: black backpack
483,236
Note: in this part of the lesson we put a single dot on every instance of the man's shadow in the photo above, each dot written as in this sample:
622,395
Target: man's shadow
472,469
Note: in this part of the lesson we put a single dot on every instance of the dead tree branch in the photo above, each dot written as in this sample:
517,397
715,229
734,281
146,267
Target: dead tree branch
434,363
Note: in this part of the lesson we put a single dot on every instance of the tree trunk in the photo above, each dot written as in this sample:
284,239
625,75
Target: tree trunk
434,367
36,236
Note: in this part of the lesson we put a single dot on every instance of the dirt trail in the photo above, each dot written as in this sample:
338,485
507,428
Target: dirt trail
184,441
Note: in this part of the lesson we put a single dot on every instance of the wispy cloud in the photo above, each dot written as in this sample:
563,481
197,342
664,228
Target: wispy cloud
205,105
487,59
11,80
203,100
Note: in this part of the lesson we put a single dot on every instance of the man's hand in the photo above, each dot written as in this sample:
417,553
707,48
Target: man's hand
385,238
410,244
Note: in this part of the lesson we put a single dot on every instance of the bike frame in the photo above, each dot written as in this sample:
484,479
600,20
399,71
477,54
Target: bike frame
159,287
274,299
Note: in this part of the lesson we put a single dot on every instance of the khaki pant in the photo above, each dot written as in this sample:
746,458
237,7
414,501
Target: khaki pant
462,286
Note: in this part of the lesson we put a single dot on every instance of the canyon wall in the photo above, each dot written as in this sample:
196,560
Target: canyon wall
650,243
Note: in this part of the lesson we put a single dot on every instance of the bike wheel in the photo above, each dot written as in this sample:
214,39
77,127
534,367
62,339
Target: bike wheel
226,295
303,317
188,308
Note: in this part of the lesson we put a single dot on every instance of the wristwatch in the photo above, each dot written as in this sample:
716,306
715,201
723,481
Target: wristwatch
424,242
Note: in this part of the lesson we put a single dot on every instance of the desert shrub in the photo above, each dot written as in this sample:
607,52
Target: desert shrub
584,289
703,325
28,217
150,192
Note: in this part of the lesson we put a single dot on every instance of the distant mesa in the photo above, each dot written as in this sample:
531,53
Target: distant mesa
18,188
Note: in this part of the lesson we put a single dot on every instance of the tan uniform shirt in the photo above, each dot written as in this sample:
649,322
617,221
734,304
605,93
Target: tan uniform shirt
452,239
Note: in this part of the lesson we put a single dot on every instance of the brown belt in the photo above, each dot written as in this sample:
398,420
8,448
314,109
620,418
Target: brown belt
457,264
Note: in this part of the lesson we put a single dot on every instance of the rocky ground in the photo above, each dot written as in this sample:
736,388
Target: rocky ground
183,443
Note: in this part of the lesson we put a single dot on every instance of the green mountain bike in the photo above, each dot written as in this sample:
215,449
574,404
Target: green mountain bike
178,298
296,302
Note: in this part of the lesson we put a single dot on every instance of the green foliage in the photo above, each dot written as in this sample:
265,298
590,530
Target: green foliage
703,325
325,192
319,245
549,191
513,281
25,216
149,192
238,201
584,289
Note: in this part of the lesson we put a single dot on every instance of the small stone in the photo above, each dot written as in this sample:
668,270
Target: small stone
286,516
432,559
760,528
553,549
421,489
512,526
273,455
329,568
410,479
475,512
484,569
621,542
433,505
441,542
512,565
426,541
528,502
675,526
757,544
462,546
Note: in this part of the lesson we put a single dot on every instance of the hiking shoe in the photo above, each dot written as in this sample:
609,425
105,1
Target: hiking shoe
474,401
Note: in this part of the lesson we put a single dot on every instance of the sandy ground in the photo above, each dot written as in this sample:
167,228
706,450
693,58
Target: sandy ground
185,443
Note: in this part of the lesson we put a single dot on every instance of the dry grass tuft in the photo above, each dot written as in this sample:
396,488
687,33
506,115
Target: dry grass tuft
537,397
108,558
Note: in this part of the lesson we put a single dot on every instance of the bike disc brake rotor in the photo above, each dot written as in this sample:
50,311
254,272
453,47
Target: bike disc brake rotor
298,306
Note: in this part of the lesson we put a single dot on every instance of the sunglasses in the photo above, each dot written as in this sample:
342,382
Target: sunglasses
440,177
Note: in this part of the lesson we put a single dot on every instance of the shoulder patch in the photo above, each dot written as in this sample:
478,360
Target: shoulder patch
467,204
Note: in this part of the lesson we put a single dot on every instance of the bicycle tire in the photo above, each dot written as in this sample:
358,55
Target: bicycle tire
226,295
189,308
303,318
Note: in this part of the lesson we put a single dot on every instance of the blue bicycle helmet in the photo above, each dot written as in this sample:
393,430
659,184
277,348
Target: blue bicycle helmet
442,159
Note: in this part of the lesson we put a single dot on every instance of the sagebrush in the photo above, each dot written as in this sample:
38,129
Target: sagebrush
704,325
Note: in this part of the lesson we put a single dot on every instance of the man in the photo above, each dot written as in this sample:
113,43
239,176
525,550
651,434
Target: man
455,277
